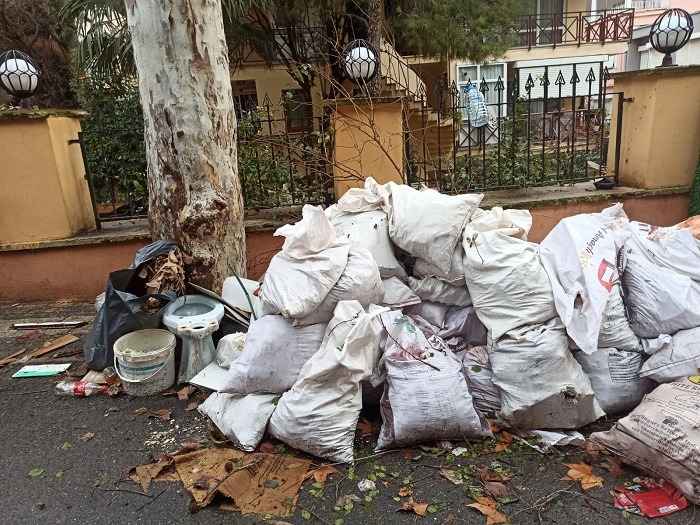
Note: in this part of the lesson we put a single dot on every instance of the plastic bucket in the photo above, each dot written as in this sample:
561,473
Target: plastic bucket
145,361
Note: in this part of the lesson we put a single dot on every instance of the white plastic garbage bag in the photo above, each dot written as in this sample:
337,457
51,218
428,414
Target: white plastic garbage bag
428,224
360,281
614,375
371,197
229,348
242,419
424,268
438,291
274,353
662,435
309,265
319,414
477,368
397,294
615,329
507,283
542,386
678,358
369,230
580,257
422,403
661,280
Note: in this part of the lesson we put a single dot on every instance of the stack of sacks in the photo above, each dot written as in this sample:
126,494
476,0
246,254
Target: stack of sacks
315,270
580,256
661,279
541,384
320,412
426,396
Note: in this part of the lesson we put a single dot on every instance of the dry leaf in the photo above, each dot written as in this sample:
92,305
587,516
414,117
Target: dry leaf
191,406
614,466
419,507
487,507
140,411
87,436
486,474
184,393
452,476
506,438
592,449
584,474
405,491
365,427
495,428
496,489
163,414
321,474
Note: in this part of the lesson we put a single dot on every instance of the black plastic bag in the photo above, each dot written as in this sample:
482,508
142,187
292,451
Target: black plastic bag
124,309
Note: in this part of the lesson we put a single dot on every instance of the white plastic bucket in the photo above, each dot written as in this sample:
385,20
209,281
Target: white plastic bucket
145,361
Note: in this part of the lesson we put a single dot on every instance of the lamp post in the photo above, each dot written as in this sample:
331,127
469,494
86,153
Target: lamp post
670,32
19,75
360,62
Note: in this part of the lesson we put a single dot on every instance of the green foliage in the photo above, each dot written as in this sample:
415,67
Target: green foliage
113,140
467,29
694,208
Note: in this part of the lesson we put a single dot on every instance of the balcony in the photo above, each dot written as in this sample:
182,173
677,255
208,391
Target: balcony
574,28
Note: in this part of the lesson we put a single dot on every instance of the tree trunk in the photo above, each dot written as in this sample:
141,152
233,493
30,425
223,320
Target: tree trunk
375,15
190,133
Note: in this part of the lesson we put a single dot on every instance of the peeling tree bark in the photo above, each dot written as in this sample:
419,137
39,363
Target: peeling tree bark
190,133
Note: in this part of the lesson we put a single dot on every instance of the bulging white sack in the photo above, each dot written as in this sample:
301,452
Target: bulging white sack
274,353
424,268
229,348
360,281
397,294
477,367
506,281
369,230
428,224
662,435
320,412
438,291
242,419
614,375
580,257
676,359
421,403
661,280
371,197
541,384
310,263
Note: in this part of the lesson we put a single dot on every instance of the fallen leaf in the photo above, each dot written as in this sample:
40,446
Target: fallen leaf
487,474
36,472
592,449
505,440
614,466
140,411
191,406
488,508
184,393
163,414
496,489
495,428
87,436
452,476
321,474
584,474
419,507
66,445
365,427
405,491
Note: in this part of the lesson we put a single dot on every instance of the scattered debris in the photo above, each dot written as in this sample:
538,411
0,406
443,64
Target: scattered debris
418,507
163,414
452,476
366,485
49,324
87,436
649,497
459,451
321,474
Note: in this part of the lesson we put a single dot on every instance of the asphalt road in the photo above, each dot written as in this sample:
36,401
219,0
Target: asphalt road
54,474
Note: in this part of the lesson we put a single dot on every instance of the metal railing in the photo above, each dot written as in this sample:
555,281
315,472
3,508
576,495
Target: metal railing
545,125
574,28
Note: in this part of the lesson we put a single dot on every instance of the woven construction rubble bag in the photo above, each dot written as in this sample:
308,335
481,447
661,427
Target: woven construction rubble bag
477,367
675,357
662,435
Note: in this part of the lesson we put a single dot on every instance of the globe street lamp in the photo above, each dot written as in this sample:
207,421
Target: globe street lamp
19,75
670,32
361,61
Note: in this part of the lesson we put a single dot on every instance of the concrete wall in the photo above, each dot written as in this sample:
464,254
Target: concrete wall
368,143
660,127
80,272
44,193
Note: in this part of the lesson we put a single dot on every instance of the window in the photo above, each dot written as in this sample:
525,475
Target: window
298,109
245,97
489,73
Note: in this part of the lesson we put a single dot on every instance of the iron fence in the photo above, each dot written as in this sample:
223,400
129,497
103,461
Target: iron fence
284,152
545,125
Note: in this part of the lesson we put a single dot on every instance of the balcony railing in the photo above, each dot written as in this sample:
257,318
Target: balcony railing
575,28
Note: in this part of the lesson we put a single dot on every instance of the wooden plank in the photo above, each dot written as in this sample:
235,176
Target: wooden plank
48,347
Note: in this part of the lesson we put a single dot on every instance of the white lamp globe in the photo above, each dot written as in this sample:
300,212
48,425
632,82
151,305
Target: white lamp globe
19,76
360,63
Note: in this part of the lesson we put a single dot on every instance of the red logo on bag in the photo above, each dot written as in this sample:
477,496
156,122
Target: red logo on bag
607,274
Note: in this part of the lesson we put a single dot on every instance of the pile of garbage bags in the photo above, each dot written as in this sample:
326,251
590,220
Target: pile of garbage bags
445,314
